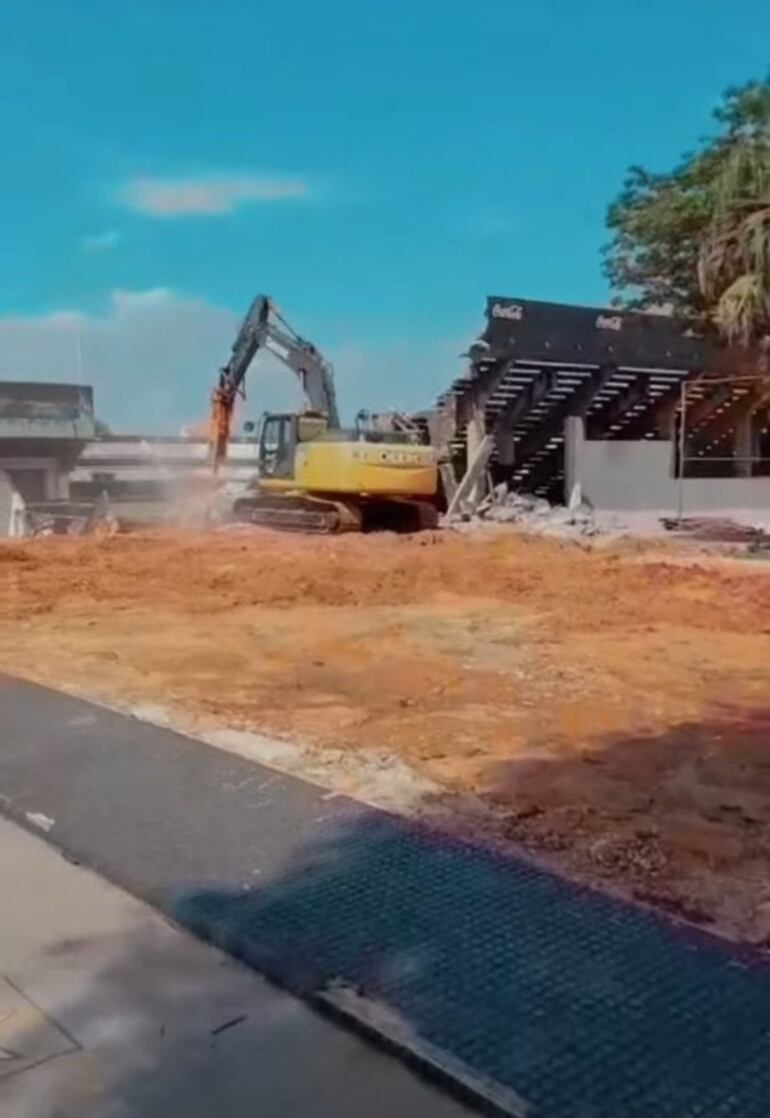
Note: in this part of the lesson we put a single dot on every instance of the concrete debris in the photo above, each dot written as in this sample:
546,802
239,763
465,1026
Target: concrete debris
38,819
504,506
67,518
721,529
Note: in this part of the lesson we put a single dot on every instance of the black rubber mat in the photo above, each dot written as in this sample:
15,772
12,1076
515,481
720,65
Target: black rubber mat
582,1006
575,1005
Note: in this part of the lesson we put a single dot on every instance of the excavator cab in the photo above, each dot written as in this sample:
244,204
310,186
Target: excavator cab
277,444
279,434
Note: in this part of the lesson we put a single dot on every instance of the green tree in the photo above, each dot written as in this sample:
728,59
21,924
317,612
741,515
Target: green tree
697,239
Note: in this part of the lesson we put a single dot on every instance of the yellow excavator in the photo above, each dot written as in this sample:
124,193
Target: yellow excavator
313,474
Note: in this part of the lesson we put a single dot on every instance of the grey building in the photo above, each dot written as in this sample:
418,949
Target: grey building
43,430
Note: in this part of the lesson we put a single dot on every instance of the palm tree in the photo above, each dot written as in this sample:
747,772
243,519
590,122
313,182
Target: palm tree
734,259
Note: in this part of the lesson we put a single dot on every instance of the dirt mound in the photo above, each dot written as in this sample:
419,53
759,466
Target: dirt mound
205,572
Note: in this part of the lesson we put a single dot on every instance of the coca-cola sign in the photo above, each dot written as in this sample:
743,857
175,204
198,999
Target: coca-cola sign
514,312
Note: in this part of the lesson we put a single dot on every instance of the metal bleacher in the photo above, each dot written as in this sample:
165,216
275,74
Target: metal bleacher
537,363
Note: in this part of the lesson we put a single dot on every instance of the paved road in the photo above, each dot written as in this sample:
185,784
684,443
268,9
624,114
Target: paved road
107,1011
551,1000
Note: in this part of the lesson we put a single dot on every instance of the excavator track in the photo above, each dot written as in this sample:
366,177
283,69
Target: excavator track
297,512
301,512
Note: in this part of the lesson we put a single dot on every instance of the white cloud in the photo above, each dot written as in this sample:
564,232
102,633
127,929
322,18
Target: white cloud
102,242
152,297
216,194
153,356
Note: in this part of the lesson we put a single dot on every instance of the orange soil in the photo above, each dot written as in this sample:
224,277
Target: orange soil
608,708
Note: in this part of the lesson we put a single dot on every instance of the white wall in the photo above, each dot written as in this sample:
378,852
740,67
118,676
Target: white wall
713,495
627,475
639,476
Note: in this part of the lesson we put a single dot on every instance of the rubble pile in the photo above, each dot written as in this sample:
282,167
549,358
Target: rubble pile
535,514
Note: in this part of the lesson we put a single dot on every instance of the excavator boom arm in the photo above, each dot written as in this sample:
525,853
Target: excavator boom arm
263,328
314,372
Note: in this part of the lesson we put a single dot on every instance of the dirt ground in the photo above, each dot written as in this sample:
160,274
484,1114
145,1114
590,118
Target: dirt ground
608,709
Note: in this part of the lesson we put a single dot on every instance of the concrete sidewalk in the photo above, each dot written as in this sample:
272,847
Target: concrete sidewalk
543,999
107,1011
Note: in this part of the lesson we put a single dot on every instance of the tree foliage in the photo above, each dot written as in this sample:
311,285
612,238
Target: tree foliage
697,239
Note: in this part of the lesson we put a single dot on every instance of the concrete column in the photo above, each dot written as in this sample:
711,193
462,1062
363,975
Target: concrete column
64,485
474,435
574,437
52,480
745,443
665,421
6,503
506,454
442,427
667,427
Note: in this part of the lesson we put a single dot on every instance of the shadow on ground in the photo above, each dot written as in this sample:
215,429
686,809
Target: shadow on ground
679,818
571,1001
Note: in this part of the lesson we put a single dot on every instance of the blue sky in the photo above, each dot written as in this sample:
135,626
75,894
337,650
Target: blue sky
378,166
